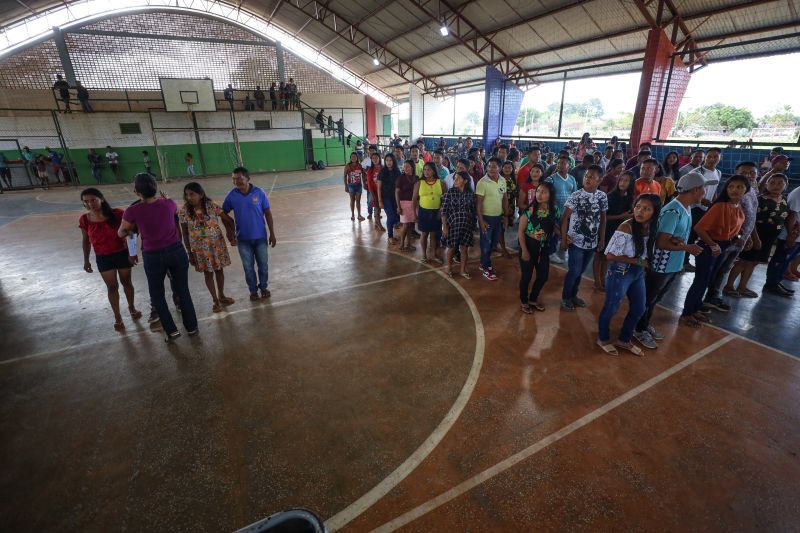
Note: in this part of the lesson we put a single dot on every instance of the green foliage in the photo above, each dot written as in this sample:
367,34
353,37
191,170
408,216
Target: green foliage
780,117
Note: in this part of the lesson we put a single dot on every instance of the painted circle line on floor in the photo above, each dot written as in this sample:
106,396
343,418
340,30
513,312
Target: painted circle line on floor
380,490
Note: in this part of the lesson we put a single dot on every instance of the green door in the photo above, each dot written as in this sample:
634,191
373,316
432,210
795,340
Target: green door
387,124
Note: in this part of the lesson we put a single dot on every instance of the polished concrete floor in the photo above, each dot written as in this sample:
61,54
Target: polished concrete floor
377,392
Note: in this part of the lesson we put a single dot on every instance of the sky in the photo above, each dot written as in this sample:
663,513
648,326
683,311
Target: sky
718,82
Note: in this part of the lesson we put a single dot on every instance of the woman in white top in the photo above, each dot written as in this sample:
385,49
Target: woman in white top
628,253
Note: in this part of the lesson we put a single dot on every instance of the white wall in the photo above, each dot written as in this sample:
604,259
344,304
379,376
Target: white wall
415,101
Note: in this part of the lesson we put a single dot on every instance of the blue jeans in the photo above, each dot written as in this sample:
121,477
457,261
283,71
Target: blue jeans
779,262
392,217
250,252
97,174
369,202
157,264
577,261
490,238
706,267
622,280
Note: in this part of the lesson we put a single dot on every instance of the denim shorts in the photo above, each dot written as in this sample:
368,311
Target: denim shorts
354,188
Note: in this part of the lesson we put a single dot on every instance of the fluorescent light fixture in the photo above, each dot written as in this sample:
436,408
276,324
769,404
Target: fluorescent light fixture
444,31
375,61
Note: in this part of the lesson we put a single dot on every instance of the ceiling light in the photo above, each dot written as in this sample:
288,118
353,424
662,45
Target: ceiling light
375,61
444,31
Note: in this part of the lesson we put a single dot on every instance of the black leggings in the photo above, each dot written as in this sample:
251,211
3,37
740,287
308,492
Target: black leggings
540,261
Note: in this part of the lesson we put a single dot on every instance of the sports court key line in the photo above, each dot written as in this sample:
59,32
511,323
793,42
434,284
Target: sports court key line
518,457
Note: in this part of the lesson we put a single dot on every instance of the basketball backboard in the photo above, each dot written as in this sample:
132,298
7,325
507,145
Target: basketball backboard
188,94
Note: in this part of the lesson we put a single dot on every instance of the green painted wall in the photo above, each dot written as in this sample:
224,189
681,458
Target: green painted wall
219,158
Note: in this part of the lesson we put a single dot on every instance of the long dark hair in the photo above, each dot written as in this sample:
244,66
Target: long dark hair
105,208
467,180
551,202
433,168
723,195
196,188
675,169
637,229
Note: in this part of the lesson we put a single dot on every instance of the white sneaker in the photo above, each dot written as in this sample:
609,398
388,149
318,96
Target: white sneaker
554,258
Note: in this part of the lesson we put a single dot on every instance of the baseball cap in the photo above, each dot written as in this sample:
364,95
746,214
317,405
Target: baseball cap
692,180
781,157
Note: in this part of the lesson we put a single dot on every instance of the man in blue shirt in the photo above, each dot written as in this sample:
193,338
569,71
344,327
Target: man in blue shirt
674,226
250,208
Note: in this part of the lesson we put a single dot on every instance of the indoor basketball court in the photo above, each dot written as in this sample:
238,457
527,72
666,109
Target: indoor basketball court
368,386
373,390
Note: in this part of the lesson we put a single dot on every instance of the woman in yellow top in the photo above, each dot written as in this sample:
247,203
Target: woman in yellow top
427,200
668,190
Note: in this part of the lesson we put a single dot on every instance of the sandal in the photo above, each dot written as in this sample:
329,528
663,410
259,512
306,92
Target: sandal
119,326
630,347
747,293
525,308
691,322
227,301
537,306
702,317
393,241
217,308
465,275
135,313
609,348
424,260
361,219
733,293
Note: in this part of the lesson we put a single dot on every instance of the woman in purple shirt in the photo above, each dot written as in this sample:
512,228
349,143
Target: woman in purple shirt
162,251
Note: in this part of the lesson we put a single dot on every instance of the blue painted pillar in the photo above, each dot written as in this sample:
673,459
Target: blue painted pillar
501,108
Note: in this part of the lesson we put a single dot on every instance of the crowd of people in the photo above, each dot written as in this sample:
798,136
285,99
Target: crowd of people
637,221
173,237
283,96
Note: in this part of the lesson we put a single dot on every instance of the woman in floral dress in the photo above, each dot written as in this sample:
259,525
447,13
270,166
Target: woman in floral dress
202,224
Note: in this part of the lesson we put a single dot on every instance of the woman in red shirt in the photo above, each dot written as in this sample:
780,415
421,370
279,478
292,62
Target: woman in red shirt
99,227
372,175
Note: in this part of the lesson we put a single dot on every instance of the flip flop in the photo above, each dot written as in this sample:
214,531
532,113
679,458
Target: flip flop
119,326
747,293
630,347
465,275
733,293
537,306
227,301
609,348
691,322
136,314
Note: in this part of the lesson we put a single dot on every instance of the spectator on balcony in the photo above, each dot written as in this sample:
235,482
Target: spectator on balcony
273,96
62,87
259,96
330,125
83,97
282,95
291,94
228,95
248,103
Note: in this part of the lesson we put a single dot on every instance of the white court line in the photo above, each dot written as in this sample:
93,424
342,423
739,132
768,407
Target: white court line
273,185
518,457
216,316
380,490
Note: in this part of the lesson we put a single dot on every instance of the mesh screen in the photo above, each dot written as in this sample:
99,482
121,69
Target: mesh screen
106,62
33,69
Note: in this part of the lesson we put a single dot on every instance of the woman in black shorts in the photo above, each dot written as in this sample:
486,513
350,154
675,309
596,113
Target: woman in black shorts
99,227
458,219
427,200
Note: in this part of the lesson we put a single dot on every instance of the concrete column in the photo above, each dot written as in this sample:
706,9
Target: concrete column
281,66
63,55
415,112
653,89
